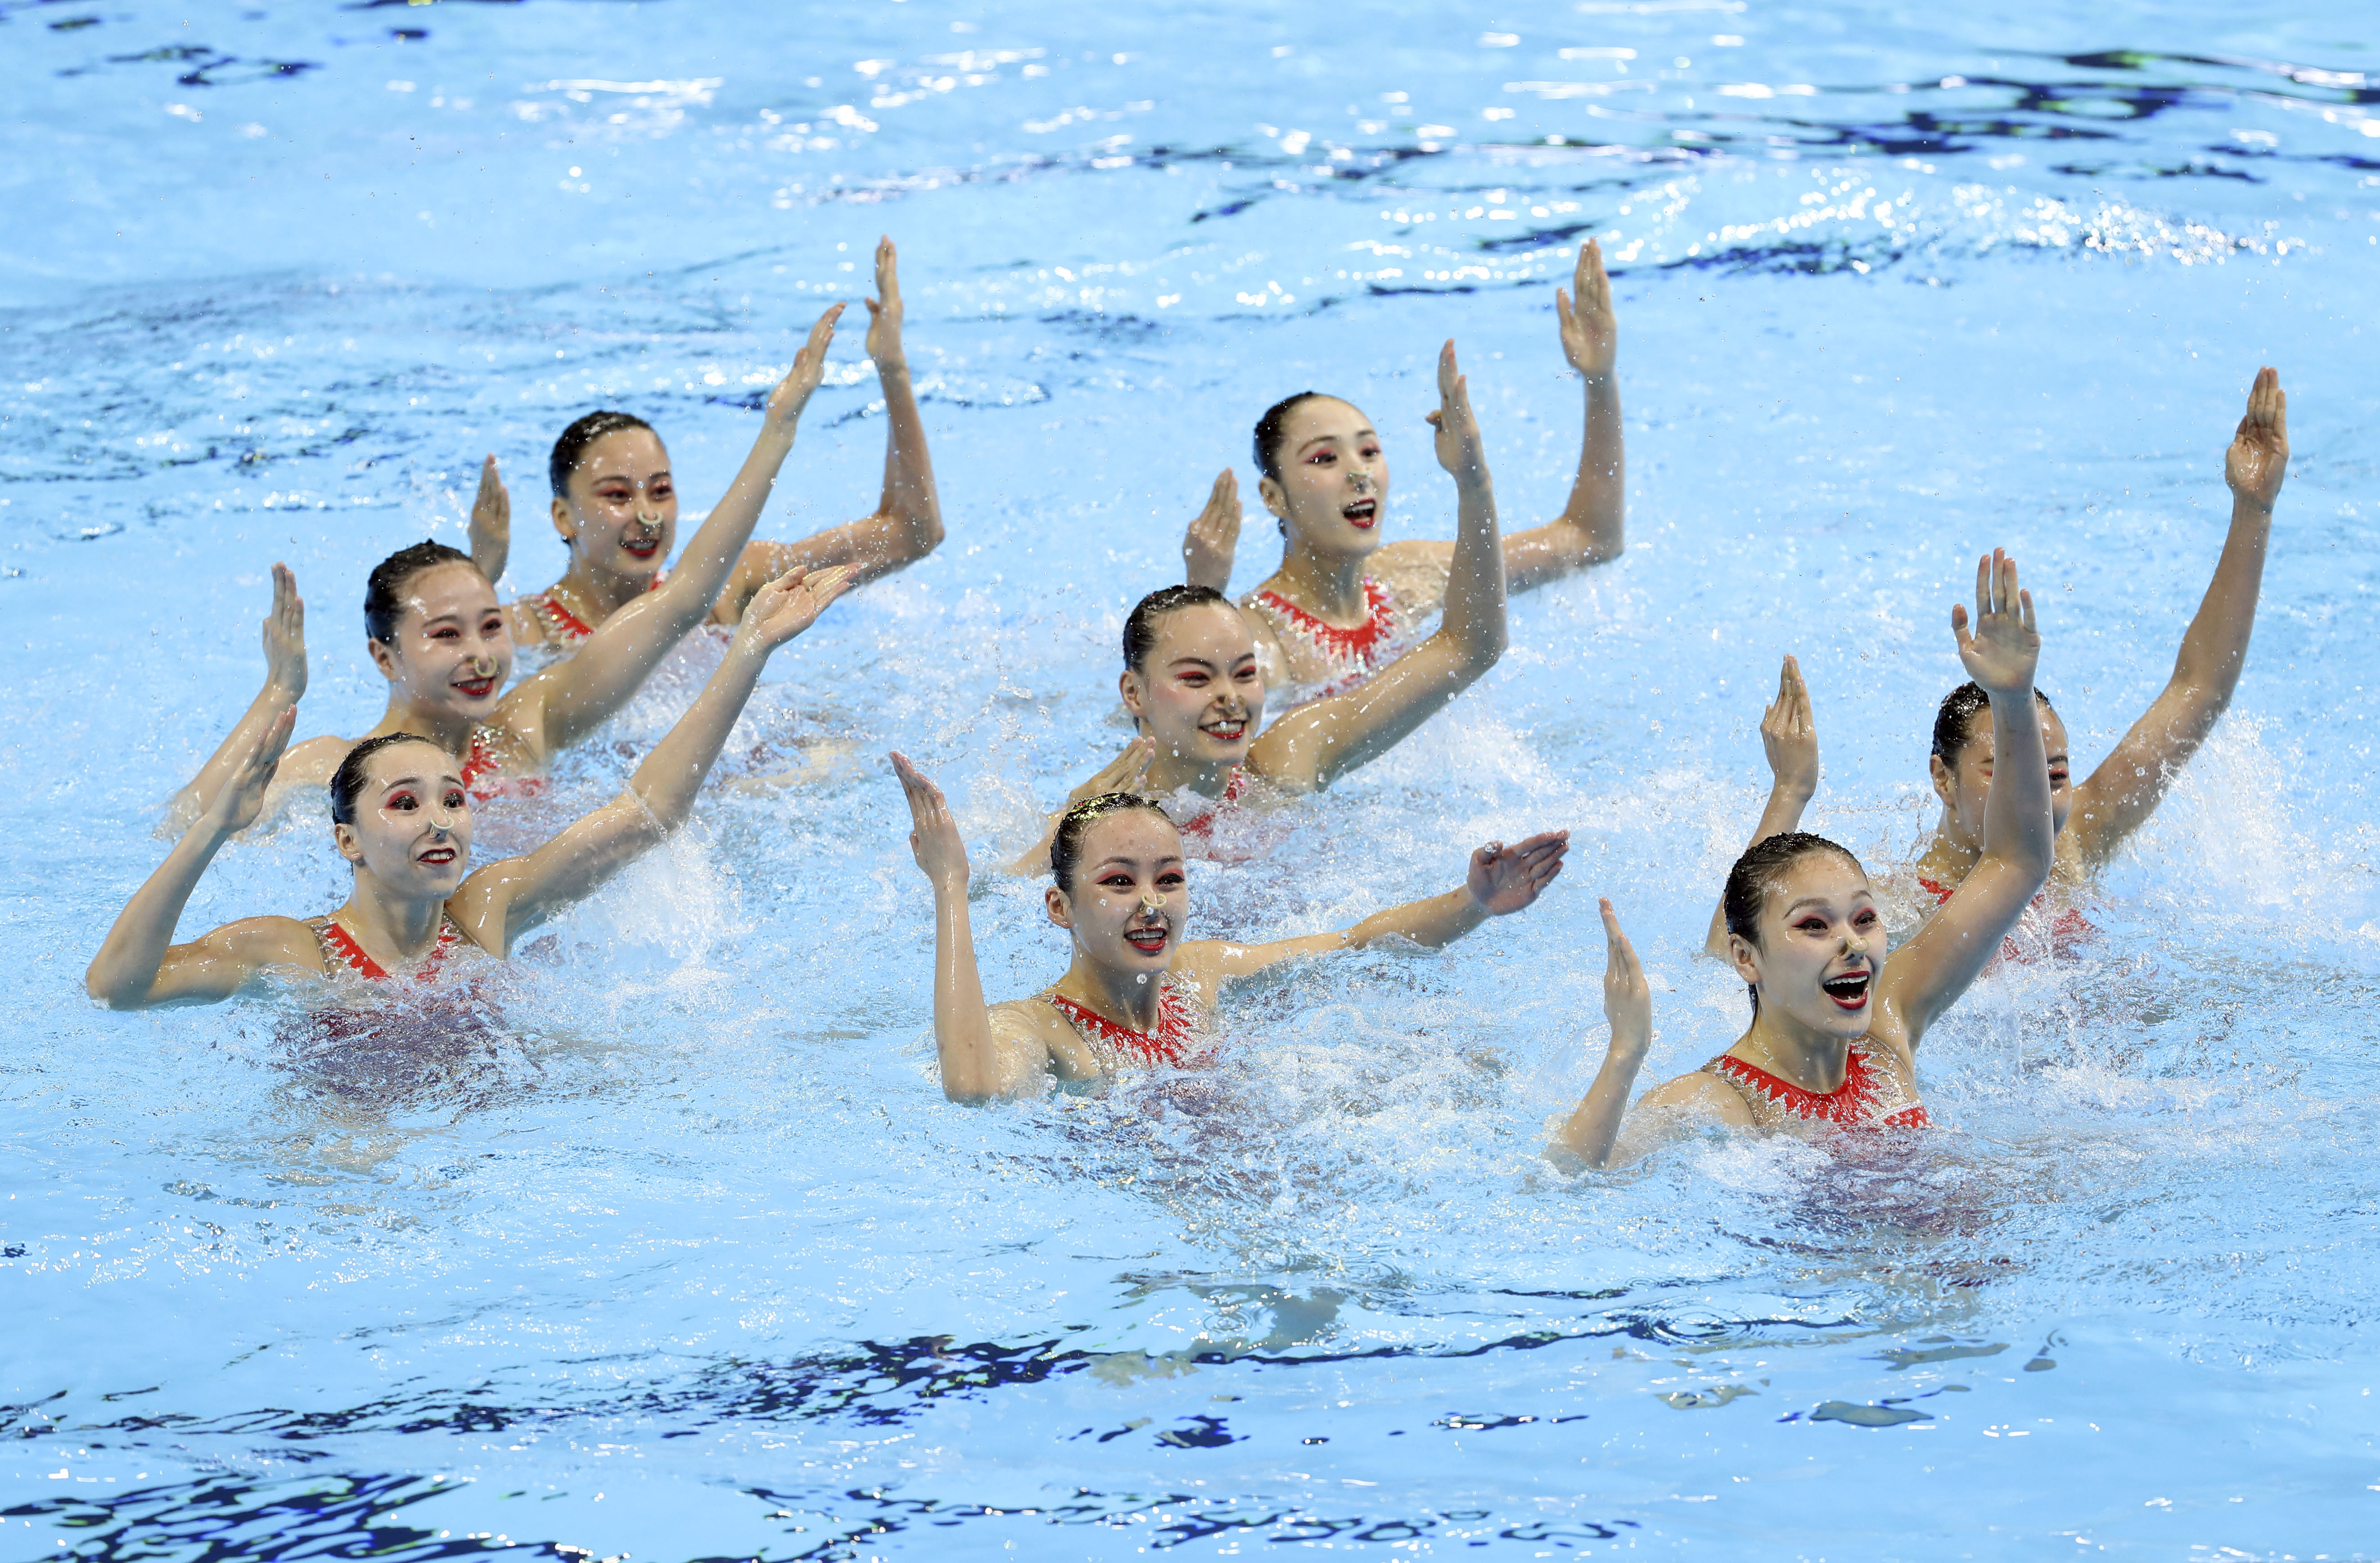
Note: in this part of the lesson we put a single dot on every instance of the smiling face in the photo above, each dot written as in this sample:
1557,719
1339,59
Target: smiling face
1333,488
450,652
1966,786
1821,946
1198,692
1130,898
412,829
621,512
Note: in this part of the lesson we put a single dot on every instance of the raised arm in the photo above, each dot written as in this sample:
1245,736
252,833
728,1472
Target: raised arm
1789,734
907,524
1128,772
502,901
573,698
1213,540
1924,976
1316,744
1502,880
1588,1135
978,1062
2128,785
285,683
492,524
1592,529
139,967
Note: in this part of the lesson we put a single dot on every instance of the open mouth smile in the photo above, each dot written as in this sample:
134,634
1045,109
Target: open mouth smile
1363,514
1849,991
1230,729
1148,941
438,857
641,547
477,689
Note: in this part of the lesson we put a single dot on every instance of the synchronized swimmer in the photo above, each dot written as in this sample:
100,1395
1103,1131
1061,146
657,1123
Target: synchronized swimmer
1336,631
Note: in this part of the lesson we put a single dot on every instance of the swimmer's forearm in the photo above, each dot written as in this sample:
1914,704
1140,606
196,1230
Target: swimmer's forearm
1431,923
2214,648
701,572
962,1040
1474,583
673,772
2017,828
1598,497
195,798
122,974
910,496
1593,1127
1788,797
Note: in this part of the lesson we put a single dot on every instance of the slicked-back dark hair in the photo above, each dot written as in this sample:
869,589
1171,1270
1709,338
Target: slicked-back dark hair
571,448
384,592
1269,430
347,781
1140,625
1954,719
1066,846
1757,872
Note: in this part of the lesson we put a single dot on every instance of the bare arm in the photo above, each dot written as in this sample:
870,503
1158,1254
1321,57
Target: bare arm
978,1062
1213,540
499,903
138,966
1502,880
1315,745
1593,1127
1789,734
491,524
285,684
1926,975
907,524
1128,772
1592,529
571,699
2130,784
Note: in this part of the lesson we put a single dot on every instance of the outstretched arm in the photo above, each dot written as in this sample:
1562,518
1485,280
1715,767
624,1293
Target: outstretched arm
491,524
573,698
1592,529
1315,745
1502,880
285,683
1213,540
2128,785
499,903
1926,975
1789,734
978,1063
138,966
907,524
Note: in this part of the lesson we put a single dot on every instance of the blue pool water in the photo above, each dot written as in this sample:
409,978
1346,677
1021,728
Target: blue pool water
682,1255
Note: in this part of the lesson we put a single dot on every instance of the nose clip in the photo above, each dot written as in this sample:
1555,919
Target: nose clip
1856,947
1152,900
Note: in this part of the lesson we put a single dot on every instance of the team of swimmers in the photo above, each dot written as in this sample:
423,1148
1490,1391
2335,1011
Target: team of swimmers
1342,632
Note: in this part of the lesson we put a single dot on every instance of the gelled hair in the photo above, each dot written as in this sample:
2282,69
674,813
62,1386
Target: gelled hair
1269,429
384,592
347,781
1756,873
1066,846
571,448
1140,626
1954,719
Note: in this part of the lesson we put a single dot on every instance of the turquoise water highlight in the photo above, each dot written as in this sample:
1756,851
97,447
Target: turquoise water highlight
685,1257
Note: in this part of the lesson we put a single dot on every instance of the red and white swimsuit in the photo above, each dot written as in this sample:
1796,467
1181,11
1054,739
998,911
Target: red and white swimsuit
1202,824
1868,1098
484,771
564,627
2068,931
340,949
1353,654
1180,1024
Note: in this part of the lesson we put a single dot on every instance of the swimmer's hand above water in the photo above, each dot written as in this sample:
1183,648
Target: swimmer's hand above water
1213,540
2003,649
2259,456
285,685
933,834
1788,736
1590,335
1590,1134
792,397
492,524
1504,880
883,339
1460,449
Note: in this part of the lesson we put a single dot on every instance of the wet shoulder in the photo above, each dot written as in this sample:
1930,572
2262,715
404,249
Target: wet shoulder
269,943
1701,1094
312,761
1414,573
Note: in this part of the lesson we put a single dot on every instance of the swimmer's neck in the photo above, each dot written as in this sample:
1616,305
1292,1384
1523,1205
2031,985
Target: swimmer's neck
1948,858
1803,1055
1121,999
604,592
1172,771
378,918
1329,586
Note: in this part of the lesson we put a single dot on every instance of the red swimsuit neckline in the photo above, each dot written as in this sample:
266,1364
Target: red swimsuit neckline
568,625
484,773
1362,644
1234,788
338,942
1169,1044
1851,1105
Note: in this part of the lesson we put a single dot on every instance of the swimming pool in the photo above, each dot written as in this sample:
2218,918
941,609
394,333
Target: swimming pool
687,1257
